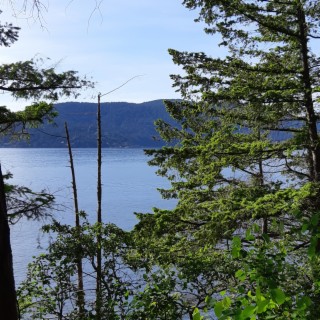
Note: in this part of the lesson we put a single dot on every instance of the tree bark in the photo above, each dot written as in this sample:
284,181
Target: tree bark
80,293
8,298
99,215
310,112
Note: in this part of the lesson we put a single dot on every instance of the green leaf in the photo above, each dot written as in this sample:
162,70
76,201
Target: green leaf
226,302
236,247
145,277
266,238
218,309
262,306
303,303
312,246
196,314
247,312
278,296
209,301
236,242
241,275
222,293
314,220
249,235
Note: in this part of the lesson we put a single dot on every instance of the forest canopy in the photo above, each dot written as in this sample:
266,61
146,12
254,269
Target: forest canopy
248,204
243,241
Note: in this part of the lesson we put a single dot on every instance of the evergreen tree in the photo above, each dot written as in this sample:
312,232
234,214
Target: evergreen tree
245,161
25,80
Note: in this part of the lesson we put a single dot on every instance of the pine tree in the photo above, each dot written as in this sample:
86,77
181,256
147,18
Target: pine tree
244,160
25,80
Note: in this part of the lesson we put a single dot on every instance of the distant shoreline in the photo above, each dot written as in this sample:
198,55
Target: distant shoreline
124,125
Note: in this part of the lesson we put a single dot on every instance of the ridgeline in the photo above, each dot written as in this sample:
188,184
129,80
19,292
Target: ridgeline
124,125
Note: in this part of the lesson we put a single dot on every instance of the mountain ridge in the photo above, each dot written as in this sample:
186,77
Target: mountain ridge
123,124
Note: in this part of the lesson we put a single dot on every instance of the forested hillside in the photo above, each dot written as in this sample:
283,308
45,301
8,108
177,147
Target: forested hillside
123,125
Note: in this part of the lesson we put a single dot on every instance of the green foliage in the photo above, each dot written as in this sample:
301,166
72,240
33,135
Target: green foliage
32,80
50,288
158,300
130,290
29,81
268,286
8,34
243,241
248,198
23,202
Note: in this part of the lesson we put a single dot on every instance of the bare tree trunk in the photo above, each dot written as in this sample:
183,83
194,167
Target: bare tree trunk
8,298
99,215
80,294
99,210
261,183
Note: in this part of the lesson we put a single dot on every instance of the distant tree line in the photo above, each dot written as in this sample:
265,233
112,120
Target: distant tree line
124,125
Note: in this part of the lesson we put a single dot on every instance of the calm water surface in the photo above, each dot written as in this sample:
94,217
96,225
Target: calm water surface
129,185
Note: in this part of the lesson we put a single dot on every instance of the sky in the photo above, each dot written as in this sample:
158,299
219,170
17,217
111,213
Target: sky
109,43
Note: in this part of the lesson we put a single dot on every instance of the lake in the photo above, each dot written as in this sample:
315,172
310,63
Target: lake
129,185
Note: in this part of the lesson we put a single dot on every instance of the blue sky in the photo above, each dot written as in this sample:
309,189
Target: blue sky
121,39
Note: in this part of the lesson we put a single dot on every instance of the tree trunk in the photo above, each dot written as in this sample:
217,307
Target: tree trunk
99,216
80,293
310,112
8,298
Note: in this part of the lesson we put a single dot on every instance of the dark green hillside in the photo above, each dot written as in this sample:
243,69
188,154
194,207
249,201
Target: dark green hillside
123,125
